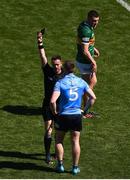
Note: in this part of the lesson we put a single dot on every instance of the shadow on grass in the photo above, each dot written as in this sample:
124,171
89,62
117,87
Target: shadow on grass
24,166
21,155
22,110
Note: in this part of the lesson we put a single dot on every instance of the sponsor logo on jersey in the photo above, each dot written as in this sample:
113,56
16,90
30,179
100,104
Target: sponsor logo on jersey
50,78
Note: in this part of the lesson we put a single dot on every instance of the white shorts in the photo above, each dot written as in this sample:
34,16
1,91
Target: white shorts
84,68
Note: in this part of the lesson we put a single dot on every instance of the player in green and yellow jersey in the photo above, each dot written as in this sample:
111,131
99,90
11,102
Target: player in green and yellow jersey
86,52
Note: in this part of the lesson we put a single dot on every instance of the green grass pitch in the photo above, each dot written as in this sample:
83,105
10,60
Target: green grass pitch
105,141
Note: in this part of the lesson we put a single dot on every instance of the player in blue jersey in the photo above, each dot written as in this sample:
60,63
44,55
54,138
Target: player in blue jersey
69,90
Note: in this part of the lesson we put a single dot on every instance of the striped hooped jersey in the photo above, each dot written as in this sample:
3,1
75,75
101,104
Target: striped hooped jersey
85,35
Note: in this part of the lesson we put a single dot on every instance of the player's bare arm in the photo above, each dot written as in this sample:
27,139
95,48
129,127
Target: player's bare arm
96,52
91,94
54,98
90,101
41,49
88,55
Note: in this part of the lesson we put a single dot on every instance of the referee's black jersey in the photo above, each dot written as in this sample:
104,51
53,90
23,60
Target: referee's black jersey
50,79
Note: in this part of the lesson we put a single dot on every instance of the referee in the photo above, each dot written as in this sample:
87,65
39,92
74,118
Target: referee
51,75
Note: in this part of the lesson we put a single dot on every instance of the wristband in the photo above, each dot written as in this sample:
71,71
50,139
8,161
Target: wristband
40,46
39,42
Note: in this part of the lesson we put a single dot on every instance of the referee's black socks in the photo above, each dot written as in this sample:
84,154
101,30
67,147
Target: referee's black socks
47,144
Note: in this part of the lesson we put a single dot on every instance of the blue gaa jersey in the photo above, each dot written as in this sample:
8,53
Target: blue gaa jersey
71,90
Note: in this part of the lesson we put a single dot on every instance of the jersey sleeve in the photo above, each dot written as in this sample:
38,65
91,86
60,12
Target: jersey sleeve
57,86
84,34
47,69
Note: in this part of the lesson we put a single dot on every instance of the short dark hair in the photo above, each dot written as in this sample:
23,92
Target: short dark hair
69,66
92,13
56,57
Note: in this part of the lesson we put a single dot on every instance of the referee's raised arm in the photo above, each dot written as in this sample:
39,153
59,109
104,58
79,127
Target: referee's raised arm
41,48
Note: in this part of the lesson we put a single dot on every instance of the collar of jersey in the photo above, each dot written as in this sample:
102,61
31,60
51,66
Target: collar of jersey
87,24
70,74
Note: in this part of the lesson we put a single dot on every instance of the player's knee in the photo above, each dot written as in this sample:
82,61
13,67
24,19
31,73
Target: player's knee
48,133
93,83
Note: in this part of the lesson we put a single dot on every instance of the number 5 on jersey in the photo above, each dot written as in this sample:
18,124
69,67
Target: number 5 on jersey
73,94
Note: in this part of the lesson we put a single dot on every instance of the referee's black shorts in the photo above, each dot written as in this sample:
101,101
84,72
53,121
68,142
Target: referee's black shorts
69,122
47,114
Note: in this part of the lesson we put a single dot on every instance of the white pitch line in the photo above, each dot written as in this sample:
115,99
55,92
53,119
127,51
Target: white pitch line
124,4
